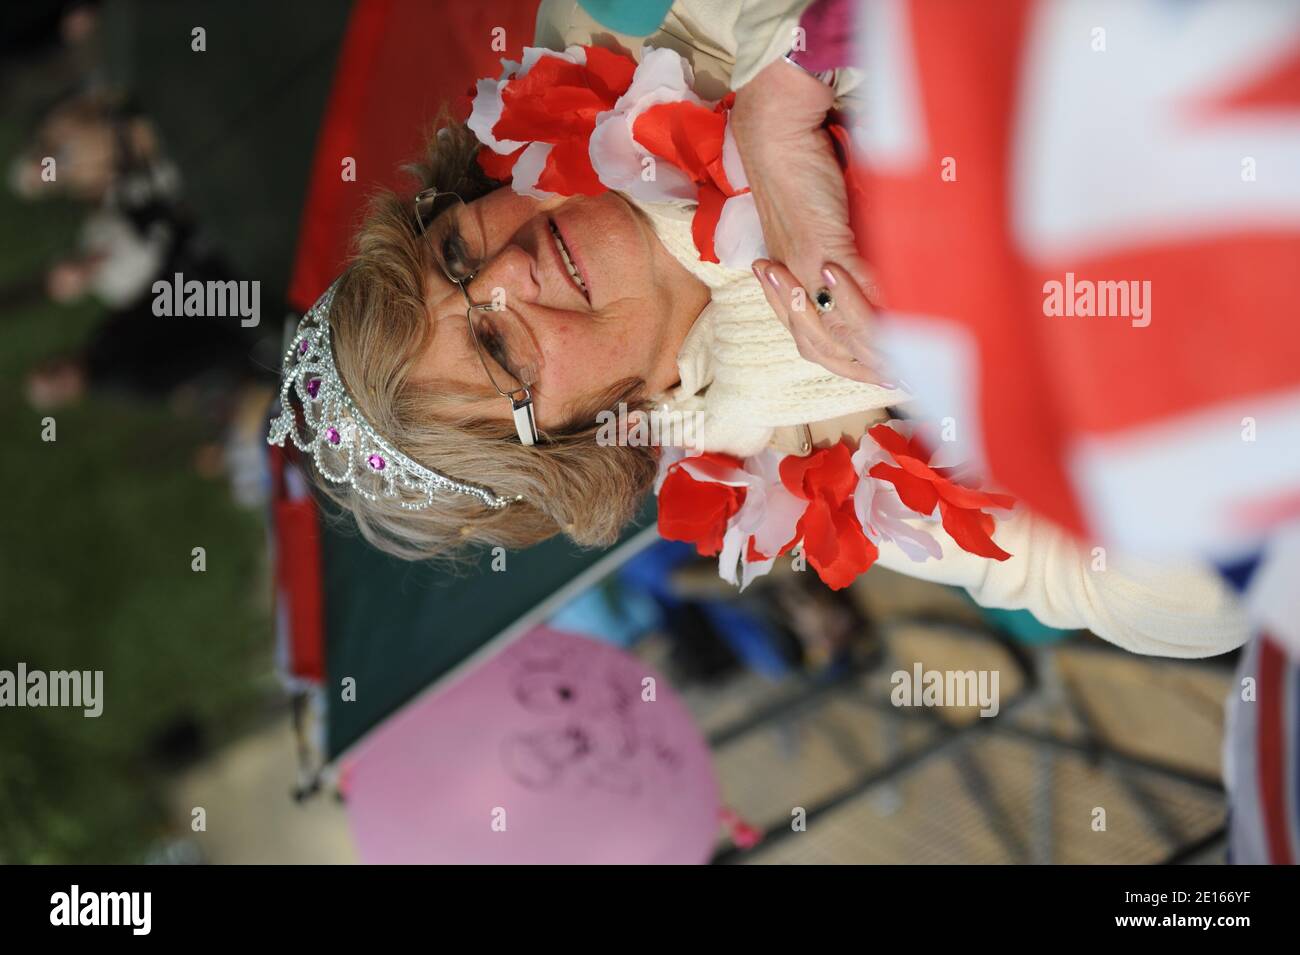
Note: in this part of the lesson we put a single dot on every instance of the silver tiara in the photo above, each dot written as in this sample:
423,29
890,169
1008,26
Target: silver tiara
345,446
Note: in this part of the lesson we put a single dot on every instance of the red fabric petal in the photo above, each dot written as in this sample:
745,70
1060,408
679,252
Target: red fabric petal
835,477
609,73
696,512
792,469
705,221
921,487
568,171
817,528
899,446
554,102
917,495
965,497
827,472
971,531
834,543
686,135
833,540
890,440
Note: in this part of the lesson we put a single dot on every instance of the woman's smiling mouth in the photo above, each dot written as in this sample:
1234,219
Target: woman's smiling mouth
566,258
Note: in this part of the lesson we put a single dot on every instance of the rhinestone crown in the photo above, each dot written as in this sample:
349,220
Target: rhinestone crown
344,445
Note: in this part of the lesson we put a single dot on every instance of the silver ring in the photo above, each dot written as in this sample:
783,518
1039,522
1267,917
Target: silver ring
824,301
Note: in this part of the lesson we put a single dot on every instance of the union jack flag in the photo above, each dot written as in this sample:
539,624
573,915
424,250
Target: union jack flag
1030,169
1084,219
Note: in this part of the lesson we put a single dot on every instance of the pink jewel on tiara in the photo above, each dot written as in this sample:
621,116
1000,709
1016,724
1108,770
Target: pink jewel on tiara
302,347
313,387
376,462
332,434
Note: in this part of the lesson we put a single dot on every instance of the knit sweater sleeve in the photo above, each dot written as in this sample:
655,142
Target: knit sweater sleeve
1168,611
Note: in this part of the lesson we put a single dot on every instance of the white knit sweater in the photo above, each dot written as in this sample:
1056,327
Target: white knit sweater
739,366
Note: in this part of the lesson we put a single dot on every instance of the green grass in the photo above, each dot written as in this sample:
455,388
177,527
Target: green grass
98,528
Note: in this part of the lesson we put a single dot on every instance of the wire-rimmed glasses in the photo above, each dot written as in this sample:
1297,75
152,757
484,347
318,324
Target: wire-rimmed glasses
509,354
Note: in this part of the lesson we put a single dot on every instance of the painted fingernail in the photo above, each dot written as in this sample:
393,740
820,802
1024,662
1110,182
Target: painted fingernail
829,277
758,274
771,277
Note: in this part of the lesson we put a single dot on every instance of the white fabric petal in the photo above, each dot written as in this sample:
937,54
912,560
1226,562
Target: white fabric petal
618,161
752,570
668,456
738,240
528,167
487,113
732,553
662,71
879,509
662,76
733,477
783,513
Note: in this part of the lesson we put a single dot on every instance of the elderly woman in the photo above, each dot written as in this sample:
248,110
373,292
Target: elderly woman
451,384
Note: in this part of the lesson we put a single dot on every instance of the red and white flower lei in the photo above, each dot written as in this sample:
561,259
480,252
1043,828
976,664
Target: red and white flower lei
841,502
589,119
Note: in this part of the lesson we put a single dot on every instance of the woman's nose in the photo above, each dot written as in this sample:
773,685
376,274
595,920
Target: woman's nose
509,275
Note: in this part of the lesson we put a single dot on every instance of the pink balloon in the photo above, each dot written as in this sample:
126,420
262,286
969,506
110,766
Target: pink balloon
546,753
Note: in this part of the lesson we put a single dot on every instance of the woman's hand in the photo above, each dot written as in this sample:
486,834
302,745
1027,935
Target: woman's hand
839,339
802,205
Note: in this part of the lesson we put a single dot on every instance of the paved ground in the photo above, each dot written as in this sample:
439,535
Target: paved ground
1137,746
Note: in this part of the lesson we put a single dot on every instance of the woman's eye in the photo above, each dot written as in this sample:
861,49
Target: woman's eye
496,351
453,256
456,255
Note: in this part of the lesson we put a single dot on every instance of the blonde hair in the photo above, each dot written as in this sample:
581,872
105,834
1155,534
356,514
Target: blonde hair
380,327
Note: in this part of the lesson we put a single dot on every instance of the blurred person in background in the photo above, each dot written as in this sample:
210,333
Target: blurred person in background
92,146
137,230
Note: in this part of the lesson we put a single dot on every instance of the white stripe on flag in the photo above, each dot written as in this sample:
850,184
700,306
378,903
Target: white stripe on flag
1181,486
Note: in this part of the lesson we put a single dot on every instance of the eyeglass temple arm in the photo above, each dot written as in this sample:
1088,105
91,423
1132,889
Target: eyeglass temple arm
525,422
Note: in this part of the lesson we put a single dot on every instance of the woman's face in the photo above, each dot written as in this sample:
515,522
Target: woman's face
630,321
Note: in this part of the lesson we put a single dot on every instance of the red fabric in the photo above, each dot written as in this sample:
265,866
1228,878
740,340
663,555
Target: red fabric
687,135
946,249
697,512
922,487
399,63
690,137
557,102
921,228
1271,757
298,574
833,540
